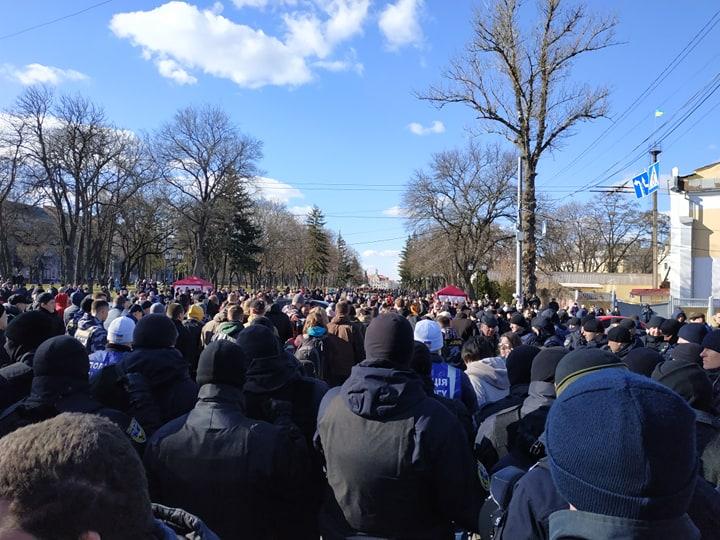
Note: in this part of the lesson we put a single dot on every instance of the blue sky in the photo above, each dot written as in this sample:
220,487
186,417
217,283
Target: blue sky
328,86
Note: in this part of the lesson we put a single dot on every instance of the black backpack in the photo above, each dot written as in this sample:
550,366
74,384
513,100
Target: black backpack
311,355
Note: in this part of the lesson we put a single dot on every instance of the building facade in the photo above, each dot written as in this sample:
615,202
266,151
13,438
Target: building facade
695,233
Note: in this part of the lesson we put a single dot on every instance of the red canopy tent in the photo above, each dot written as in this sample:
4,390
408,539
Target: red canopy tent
451,293
193,282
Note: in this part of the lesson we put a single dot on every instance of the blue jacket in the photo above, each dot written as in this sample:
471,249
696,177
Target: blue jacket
107,357
408,473
443,373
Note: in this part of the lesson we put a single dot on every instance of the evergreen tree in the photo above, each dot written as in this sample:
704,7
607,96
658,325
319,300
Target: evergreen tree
406,277
242,235
318,258
344,270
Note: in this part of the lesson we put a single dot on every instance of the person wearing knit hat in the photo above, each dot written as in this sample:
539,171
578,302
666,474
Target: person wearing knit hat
76,299
580,363
163,367
620,341
642,360
450,380
545,335
372,491
227,448
653,338
60,384
519,325
692,333
689,380
634,486
119,344
23,336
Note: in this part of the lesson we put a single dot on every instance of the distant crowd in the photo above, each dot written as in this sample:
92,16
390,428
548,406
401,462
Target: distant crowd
155,413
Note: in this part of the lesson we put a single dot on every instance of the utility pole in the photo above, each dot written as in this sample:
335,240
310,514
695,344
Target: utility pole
654,153
519,238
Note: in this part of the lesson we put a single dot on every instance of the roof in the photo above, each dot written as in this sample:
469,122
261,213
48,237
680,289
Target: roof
451,290
581,285
192,281
649,292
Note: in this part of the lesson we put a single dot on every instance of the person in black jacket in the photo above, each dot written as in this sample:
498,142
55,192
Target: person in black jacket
77,476
281,322
162,368
397,461
23,336
60,384
244,477
46,306
184,342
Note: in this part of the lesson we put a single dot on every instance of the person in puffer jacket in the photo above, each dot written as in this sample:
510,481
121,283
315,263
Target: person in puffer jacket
87,459
409,472
487,372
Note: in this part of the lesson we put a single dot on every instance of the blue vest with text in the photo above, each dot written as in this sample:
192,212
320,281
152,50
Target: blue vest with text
447,380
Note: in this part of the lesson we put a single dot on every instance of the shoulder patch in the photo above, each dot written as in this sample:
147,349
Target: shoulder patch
136,432
483,476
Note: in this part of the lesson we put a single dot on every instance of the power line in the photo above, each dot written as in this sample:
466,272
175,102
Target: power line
674,63
53,21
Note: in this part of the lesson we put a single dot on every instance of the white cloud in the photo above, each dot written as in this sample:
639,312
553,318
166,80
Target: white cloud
275,190
418,129
41,74
300,211
394,211
217,8
400,23
383,253
171,69
203,39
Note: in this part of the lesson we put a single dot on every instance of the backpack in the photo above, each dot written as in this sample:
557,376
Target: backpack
85,336
311,355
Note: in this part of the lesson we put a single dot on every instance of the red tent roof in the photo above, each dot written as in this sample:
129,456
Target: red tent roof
451,290
192,281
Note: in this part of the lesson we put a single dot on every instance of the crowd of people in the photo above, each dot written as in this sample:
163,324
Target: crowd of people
351,415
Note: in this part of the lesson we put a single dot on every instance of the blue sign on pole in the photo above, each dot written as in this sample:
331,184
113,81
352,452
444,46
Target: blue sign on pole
647,182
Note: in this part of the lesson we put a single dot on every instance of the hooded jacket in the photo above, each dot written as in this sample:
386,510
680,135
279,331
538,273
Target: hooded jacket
166,374
349,349
489,379
409,472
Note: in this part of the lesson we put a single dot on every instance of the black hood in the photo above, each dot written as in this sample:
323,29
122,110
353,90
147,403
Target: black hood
60,368
389,339
158,366
271,373
379,392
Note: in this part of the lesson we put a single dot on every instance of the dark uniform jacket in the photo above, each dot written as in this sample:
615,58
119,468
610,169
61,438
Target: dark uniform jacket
241,475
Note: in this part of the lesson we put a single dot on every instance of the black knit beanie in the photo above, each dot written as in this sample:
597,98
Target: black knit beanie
519,364
712,341
30,329
693,332
222,362
687,379
580,362
155,331
61,356
642,360
545,363
258,341
519,320
655,321
390,338
619,334
670,327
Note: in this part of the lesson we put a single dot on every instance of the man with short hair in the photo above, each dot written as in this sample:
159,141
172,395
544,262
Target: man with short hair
233,326
76,476
120,309
91,332
46,306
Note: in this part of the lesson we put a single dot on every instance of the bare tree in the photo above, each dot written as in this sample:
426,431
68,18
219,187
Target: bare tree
516,82
203,154
465,195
